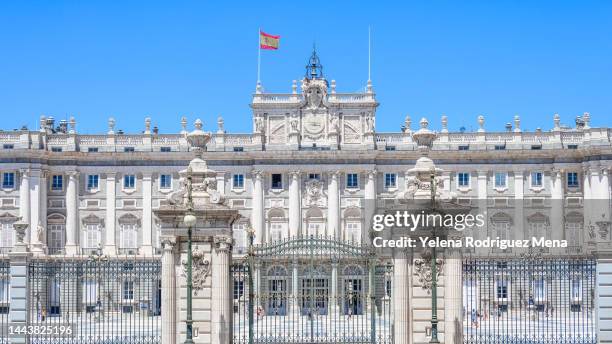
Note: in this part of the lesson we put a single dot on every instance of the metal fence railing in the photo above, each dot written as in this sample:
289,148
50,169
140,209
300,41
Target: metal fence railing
5,305
95,300
541,300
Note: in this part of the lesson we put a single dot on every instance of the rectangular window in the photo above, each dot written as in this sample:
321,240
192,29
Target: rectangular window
128,149
129,233
238,149
390,148
463,179
6,235
572,179
500,179
536,179
352,180
128,290
55,237
129,181
277,181
57,182
572,146
8,146
8,180
92,236
576,290
390,180
353,232
276,232
93,181
539,289
314,176
56,149
165,181
165,149
238,181
500,147
92,150
502,289
240,237
464,147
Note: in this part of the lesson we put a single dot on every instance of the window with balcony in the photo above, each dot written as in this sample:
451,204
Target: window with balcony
165,181
572,180
390,180
92,234
127,291
128,234
57,182
93,182
463,179
7,236
352,180
129,181
238,181
55,237
536,179
277,181
353,232
8,180
500,179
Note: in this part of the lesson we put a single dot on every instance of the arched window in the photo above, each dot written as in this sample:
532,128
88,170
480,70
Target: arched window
315,222
56,233
128,227
277,225
7,232
92,232
352,225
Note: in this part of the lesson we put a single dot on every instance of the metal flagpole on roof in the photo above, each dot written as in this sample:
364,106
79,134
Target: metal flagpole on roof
258,56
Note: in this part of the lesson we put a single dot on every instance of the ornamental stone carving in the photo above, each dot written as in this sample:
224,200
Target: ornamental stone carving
315,93
422,267
314,193
200,269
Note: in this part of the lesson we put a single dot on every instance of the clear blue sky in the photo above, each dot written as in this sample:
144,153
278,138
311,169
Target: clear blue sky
132,59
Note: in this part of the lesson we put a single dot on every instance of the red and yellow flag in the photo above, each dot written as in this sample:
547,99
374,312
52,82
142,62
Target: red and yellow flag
268,42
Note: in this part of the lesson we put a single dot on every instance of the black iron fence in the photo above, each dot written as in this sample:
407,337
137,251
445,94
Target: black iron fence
5,306
312,290
529,300
95,300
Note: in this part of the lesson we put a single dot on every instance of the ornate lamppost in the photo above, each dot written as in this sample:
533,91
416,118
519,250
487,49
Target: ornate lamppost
190,221
434,272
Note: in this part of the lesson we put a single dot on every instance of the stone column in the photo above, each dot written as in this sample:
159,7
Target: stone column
257,215
109,245
222,291
295,217
333,295
24,197
35,186
453,297
19,275
168,306
147,215
557,214
38,212
333,206
370,204
482,202
72,206
400,294
518,205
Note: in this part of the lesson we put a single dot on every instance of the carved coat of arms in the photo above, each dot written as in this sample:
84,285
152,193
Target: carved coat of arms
314,193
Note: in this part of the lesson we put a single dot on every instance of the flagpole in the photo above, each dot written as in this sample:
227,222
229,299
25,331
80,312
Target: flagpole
369,53
258,56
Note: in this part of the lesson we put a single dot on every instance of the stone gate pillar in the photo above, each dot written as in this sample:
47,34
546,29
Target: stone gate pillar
168,306
453,297
19,296
400,294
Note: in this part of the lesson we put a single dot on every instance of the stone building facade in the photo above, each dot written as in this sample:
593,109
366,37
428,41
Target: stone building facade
312,160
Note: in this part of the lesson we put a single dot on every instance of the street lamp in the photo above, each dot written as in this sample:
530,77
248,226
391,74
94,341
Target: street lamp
190,221
434,273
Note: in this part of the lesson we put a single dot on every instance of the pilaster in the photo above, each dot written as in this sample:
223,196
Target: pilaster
147,214
109,245
72,200
294,204
333,206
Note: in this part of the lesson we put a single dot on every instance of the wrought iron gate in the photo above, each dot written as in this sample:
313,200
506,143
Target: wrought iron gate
5,284
312,290
95,300
533,300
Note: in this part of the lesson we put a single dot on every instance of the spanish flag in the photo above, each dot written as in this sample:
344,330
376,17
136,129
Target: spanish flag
268,42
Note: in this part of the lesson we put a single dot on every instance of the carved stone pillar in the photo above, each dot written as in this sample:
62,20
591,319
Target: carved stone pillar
72,216
295,217
370,204
109,245
257,214
400,294
519,200
453,297
147,215
222,291
557,216
39,213
168,289
333,206
24,197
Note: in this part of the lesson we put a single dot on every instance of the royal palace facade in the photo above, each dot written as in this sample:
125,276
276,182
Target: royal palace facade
312,160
